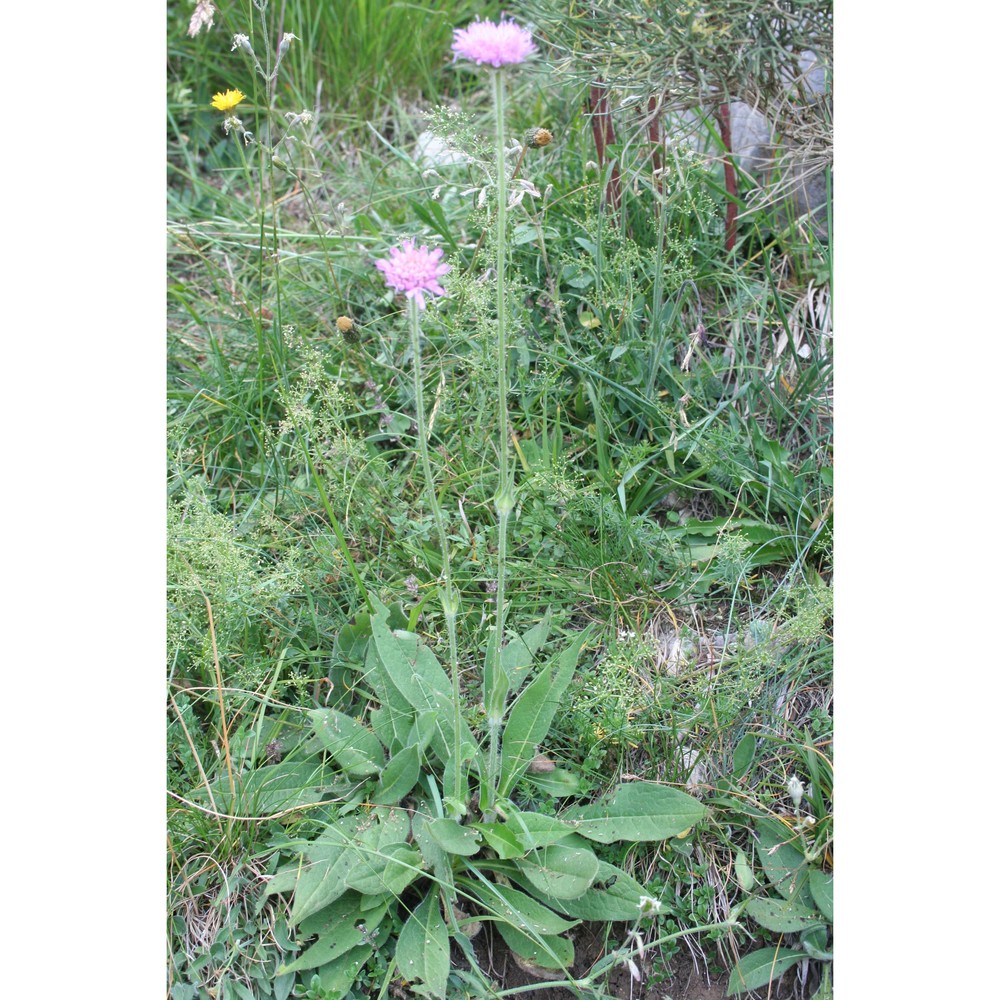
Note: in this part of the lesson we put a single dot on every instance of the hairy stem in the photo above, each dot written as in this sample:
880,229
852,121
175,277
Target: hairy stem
449,601
504,498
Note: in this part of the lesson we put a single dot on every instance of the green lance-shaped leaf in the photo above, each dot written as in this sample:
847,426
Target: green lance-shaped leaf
516,659
782,915
455,838
323,878
533,712
760,967
535,829
784,864
560,872
399,776
386,873
559,783
521,911
337,977
821,887
743,755
354,747
504,841
419,678
613,895
272,787
637,811
436,859
340,927
422,949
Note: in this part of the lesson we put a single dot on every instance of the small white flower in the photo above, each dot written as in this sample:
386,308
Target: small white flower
795,790
241,42
648,906
521,188
634,970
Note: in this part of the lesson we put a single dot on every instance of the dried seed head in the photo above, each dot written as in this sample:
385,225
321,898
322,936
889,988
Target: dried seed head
536,137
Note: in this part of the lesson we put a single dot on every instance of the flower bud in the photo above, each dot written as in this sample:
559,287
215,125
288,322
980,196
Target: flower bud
795,790
242,42
536,137
347,329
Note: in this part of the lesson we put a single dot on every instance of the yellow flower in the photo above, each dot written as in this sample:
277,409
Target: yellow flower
228,100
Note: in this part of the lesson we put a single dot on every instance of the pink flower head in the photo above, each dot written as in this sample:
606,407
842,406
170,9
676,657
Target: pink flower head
498,45
414,271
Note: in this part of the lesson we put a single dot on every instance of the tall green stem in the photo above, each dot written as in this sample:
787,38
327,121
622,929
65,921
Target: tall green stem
504,498
449,600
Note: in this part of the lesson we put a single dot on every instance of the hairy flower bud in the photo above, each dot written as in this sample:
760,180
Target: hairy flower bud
347,328
537,137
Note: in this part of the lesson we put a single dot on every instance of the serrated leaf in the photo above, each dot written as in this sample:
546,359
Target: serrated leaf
455,838
782,915
354,746
637,811
533,712
613,895
422,949
821,887
399,776
760,967
551,953
560,872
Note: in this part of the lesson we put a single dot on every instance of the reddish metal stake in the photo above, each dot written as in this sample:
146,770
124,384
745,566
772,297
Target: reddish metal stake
604,135
730,172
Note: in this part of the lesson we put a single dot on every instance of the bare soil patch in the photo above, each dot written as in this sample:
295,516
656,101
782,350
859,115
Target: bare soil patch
680,979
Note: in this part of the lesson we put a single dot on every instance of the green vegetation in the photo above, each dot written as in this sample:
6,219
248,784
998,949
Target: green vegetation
404,718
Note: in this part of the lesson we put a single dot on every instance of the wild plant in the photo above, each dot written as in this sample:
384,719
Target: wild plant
435,833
